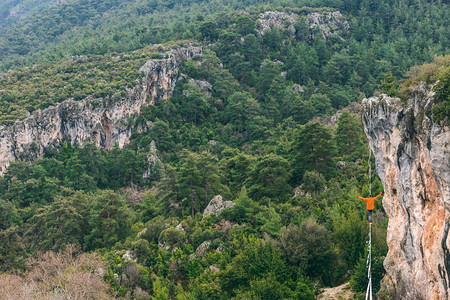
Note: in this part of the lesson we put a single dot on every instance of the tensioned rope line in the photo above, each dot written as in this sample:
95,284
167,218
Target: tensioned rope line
369,256
369,184
369,265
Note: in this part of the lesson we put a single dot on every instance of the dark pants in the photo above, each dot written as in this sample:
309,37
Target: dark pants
369,215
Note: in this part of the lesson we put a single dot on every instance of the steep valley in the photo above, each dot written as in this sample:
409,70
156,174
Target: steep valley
215,149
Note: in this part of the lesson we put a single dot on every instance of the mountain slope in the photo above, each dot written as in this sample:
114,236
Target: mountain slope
102,121
259,116
103,26
13,10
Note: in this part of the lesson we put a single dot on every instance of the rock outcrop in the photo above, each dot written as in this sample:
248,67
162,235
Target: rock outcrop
202,250
105,122
204,86
328,23
153,161
277,19
412,155
216,205
331,121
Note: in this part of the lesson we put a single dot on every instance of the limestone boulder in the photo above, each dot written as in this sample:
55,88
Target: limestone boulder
216,206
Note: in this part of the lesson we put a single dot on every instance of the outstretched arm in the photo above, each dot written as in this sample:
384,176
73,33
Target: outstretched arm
378,196
363,199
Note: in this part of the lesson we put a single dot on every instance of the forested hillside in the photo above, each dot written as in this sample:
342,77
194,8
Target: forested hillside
267,117
391,28
13,10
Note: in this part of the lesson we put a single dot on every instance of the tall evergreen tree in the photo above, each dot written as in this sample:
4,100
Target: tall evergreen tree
349,136
313,150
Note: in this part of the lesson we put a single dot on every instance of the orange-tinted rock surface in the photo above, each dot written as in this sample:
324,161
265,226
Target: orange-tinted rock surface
412,156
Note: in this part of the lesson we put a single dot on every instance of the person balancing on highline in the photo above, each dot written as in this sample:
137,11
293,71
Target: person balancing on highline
369,204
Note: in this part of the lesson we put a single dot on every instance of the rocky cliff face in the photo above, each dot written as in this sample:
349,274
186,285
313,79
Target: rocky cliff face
105,122
412,155
277,19
328,23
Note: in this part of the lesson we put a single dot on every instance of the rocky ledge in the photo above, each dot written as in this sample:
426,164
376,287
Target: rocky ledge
412,155
106,122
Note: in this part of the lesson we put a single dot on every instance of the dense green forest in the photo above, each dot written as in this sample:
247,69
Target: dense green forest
261,137
384,40
13,10
399,32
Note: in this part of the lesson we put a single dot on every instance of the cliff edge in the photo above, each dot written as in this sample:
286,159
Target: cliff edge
106,122
412,156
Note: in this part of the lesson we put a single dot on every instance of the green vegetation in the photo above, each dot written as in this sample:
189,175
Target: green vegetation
257,138
436,75
274,248
40,86
442,88
332,73
13,10
270,245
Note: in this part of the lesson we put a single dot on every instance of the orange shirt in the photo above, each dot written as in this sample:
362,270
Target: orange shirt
370,201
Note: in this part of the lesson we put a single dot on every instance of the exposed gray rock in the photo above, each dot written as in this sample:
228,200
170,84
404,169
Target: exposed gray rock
179,227
163,246
202,250
328,23
141,232
106,122
153,161
161,75
192,256
142,127
277,19
300,192
331,121
214,269
205,86
412,155
128,256
216,205
297,88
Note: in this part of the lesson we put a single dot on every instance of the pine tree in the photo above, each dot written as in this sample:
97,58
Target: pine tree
313,149
349,136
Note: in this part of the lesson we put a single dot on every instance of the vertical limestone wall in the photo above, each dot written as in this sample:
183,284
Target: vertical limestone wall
106,122
412,155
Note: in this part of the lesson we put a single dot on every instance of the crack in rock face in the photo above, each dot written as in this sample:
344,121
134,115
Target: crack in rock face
412,156
105,122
